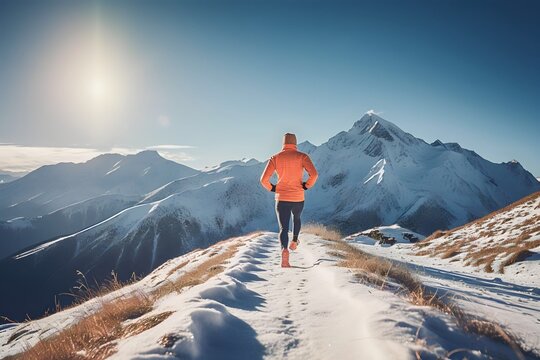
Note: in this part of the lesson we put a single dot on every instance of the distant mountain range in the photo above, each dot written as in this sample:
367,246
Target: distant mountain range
53,187
8,176
131,213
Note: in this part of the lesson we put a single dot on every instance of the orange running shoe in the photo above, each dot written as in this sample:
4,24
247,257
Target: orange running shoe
285,258
294,245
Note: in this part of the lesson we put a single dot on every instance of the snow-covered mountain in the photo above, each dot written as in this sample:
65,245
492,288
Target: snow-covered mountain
377,174
54,187
138,239
19,233
373,174
5,178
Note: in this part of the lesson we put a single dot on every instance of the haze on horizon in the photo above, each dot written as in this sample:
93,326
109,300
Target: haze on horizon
208,81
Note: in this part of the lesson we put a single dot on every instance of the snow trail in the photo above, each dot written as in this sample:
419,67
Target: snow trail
312,312
256,309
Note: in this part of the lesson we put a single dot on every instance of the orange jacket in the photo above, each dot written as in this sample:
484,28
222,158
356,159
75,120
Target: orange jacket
289,164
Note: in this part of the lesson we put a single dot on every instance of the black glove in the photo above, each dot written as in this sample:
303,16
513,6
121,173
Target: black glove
273,188
304,185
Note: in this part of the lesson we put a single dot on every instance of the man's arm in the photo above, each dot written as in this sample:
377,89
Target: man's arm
312,172
267,173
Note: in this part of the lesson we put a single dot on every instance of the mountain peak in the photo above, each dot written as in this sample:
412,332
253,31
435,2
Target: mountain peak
306,147
368,119
371,120
383,129
148,154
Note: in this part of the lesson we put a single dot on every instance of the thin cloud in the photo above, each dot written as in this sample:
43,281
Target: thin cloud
20,158
169,147
179,157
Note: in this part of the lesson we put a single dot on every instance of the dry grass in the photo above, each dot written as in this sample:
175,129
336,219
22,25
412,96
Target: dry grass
530,198
85,292
168,340
146,323
380,272
512,250
374,269
435,235
94,336
515,247
200,274
178,267
322,231
517,256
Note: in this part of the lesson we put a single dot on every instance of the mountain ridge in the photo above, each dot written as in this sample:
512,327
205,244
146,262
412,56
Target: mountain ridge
52,187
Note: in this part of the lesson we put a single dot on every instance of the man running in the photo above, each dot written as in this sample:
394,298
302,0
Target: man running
289,164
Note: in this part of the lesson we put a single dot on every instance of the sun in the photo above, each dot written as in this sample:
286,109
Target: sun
98,88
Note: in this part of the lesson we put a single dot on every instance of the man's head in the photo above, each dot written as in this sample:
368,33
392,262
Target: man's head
289,138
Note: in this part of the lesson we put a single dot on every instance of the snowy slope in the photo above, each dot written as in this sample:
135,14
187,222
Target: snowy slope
5,178
136,240
8,176
448,265
19,233
254,309
53,187
506,241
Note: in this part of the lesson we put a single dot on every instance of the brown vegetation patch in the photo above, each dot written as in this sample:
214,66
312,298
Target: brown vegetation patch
421,244
437,234
513,249
178,267
322,231
200,274
528,199
517,256
146,323
450,253
169,340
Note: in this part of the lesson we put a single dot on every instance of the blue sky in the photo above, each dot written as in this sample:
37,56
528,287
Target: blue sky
209,81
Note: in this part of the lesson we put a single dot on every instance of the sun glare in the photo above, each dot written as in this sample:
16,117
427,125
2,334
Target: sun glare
98,88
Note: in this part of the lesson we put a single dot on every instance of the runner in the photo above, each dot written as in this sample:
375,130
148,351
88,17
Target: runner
289,164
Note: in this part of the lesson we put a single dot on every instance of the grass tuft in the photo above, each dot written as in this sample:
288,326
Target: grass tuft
322,231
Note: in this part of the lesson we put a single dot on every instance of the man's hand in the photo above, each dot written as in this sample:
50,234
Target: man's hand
273,188
304,185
